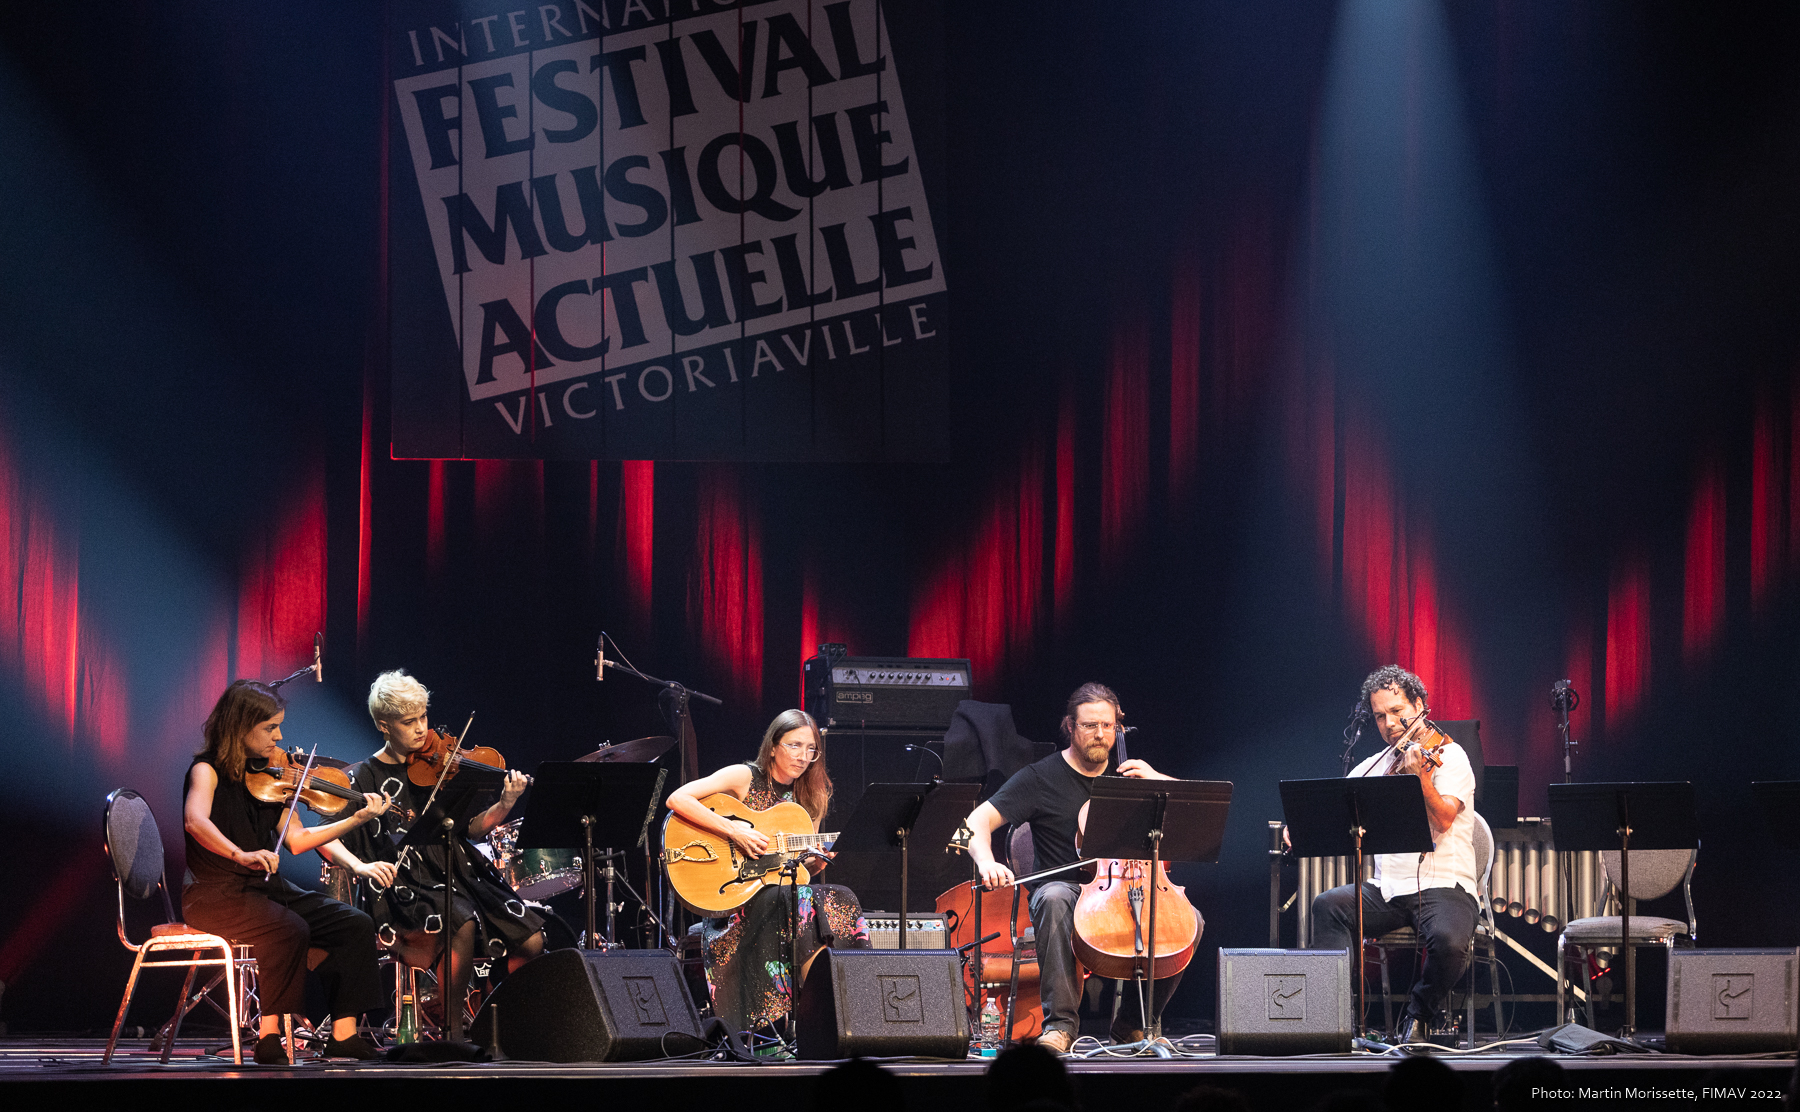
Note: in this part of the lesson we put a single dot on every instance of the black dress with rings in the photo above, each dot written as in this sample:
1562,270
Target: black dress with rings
410,911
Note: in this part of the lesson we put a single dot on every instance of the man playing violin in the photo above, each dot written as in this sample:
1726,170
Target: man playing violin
1052,796
233,888
1432,892
487,917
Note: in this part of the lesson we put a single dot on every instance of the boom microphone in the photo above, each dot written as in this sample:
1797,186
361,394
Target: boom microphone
600,660
319,657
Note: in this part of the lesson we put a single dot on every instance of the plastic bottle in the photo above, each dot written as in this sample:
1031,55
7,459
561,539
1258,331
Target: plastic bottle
990,1026
407,1029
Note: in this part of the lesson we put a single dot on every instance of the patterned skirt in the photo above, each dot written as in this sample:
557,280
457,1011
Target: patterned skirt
747,954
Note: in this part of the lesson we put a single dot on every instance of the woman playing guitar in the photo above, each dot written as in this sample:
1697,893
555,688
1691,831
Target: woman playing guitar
748,952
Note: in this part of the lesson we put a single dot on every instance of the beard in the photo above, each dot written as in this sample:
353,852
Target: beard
1096,751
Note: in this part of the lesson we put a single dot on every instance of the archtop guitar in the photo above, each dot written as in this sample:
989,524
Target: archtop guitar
712,876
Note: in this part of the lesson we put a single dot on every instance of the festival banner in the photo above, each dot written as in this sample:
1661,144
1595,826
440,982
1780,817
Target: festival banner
667,229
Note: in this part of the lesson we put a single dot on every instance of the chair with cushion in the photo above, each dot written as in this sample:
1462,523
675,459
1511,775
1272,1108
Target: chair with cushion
1485,931
1654,873
135,848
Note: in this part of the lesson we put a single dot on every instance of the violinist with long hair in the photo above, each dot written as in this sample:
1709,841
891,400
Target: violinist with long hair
747,953
487,918
233,887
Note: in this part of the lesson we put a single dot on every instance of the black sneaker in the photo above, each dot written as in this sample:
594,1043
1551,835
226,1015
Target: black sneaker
355,1047
271,1052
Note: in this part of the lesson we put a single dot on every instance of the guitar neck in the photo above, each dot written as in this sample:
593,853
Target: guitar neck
791,842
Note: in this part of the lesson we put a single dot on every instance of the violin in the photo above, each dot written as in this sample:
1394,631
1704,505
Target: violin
326,790
1430,749
425,765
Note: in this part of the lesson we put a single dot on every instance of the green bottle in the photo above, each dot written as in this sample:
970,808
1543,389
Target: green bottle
407,1030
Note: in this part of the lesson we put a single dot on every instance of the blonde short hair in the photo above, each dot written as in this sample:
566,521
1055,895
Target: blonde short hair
395,695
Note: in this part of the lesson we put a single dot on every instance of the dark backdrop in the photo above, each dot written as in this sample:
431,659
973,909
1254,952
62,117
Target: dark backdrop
1205,449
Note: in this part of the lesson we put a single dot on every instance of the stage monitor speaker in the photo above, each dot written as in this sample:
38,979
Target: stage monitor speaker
592,1006
883,1004
1731,1001
1284,1002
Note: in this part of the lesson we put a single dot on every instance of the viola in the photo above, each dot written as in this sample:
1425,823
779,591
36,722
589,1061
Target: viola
327,790
425,765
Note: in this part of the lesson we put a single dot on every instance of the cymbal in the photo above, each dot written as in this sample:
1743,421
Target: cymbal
637,751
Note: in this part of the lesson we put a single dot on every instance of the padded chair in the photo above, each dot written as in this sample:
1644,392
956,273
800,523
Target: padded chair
1485,932
135,848
1654,873
1022,965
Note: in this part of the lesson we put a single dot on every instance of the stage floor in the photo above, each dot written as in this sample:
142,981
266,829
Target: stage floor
29,1067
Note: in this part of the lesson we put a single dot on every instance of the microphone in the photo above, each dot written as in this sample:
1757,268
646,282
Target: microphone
1563,696
600,659
319,657
1359,712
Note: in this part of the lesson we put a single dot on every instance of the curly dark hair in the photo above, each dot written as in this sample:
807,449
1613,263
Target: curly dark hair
1089,693
1398,678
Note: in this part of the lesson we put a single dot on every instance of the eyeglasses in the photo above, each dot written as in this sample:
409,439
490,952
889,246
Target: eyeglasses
1095,729
807,753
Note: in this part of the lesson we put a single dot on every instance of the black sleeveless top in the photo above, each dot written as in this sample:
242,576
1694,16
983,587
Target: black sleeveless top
248,821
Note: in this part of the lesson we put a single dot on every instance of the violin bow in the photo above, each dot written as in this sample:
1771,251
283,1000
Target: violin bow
443,774
294,803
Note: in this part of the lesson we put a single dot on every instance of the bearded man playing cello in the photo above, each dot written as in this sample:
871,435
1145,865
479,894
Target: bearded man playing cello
1051,795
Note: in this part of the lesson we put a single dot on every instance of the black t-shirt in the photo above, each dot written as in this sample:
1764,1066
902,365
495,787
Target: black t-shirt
250,823
1048,794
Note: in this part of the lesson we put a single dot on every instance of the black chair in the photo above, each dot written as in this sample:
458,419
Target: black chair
135,848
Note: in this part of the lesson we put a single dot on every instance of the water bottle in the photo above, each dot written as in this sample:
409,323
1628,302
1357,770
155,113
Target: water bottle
407,1029
990,1026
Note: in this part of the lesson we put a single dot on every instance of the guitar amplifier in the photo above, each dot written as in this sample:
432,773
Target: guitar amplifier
855,692
923,931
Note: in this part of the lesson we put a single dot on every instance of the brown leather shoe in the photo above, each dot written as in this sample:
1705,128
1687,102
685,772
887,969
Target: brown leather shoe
1056,1041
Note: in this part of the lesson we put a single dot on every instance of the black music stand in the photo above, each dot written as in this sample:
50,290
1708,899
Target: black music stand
1620,816
445,823
1352,817
578,805
890,815
1170,820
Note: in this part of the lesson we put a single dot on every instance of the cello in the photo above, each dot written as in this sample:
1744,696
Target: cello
1114,909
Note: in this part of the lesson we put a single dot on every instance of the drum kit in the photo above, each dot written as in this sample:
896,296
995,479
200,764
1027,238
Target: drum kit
539,874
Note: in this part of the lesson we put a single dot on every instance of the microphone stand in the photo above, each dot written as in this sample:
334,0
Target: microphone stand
680,714
317,667
1563,699
1353,733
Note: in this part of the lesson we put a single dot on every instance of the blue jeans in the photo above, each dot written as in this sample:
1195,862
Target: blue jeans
1444,918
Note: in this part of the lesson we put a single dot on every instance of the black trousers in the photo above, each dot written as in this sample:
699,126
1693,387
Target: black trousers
1444,918
1059,984
280,923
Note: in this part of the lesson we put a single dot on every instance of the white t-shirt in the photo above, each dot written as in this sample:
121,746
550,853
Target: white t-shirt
1452,863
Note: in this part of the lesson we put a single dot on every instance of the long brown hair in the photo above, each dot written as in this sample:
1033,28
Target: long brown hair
245,705
813,788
